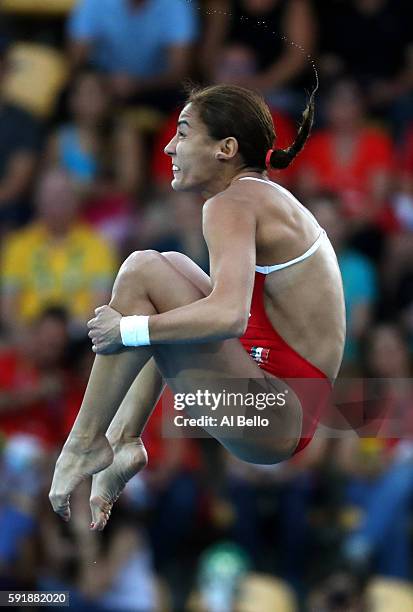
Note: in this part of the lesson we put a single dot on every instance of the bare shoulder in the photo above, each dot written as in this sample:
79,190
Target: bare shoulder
228,213
248,196
233,201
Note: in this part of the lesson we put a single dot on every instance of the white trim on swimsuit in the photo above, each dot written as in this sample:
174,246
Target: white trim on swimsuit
313,248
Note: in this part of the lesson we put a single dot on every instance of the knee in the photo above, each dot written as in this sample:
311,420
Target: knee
141,262
136,273
175,256
190,269
180,261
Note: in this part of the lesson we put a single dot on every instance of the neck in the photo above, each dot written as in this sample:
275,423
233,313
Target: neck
222,183
261,174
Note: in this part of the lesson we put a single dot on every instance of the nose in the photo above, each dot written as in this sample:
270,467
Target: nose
170,147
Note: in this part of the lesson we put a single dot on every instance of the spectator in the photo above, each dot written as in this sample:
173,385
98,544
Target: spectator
403,198
338,592
89,145
173,488
379,470
358,274
142,45
115,573
235,33
271,505
34,380
56,260
174,224
220,572
356,162
22,473
404,303
101,156
20,144
371,40
348,157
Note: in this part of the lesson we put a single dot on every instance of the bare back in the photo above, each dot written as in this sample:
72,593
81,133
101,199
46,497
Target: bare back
305,301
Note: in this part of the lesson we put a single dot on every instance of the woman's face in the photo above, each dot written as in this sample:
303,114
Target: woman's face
194,154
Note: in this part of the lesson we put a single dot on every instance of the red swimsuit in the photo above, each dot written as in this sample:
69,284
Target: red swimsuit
275,356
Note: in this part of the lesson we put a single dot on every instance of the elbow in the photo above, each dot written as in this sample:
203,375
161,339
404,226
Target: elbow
237,325
229,320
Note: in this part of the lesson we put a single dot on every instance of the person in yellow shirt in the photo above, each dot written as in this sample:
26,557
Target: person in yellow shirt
55,260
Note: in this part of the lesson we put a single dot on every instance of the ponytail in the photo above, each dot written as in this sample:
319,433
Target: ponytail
281,158
237,112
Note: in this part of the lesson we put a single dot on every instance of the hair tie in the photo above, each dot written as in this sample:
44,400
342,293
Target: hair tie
268,158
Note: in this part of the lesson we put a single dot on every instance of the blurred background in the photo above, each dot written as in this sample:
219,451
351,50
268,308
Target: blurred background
90,91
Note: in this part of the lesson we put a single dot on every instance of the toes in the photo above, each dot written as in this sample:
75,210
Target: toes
100,523
101,511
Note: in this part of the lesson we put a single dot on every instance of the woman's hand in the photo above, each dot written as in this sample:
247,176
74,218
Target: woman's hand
104,331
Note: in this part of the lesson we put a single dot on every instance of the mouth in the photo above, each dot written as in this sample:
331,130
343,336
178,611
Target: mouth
175,169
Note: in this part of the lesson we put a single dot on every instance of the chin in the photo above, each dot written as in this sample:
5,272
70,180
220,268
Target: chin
178,186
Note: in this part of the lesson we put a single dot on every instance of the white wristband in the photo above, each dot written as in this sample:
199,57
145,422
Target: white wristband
134,330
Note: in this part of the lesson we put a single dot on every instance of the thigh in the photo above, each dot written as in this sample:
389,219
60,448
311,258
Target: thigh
226,359
171,281
181,283
150,282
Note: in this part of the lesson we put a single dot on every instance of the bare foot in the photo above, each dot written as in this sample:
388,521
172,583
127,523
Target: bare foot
130,457
76,462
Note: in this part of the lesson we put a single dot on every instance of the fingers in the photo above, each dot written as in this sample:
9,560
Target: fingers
93,335
101,349
98,310
104,330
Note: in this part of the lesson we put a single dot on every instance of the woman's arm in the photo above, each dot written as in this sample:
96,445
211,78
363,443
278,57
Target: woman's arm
229,231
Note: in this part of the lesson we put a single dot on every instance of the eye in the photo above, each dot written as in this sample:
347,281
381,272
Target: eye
181,134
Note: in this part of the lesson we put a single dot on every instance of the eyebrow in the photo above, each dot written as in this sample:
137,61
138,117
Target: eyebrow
183,121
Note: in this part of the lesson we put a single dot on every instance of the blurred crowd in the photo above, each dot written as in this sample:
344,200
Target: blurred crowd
90,92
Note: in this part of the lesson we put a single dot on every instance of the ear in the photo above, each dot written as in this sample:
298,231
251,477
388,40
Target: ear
228,148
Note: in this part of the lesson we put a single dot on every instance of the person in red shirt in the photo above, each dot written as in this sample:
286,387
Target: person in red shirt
34,380
348,156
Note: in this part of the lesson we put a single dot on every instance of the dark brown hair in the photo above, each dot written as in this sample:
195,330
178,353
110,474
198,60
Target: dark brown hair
229,110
